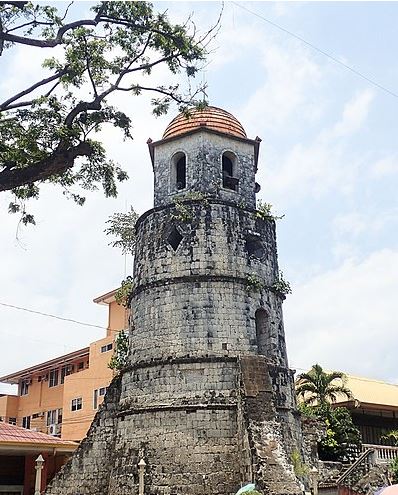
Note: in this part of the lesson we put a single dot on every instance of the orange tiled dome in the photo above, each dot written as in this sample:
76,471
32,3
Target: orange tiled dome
210,117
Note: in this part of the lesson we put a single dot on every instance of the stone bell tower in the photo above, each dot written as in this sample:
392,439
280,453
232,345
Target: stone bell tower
207,399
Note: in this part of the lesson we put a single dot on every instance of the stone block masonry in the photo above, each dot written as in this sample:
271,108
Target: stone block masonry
207,399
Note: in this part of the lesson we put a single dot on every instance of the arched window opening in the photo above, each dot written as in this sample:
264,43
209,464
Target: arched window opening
255,247
178,172
181,173
229,181
262,331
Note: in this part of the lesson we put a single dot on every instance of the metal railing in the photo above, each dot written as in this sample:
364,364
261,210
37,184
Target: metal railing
358,469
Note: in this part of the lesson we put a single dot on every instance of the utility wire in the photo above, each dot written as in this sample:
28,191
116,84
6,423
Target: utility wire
328,55
52,316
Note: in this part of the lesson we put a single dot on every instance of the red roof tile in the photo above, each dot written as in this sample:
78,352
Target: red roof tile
211,118
16,434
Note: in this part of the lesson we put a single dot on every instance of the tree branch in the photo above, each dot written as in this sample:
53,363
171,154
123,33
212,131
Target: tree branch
6,105
50,43
89,69
30,23
55,164
19,5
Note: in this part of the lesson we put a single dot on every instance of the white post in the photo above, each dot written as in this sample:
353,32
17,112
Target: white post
314,473
141,472
39,466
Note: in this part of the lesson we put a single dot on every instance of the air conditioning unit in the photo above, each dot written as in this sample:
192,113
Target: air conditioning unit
52,430
58,429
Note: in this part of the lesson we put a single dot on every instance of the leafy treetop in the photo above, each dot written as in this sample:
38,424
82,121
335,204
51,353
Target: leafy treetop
122,227
320,388
47,128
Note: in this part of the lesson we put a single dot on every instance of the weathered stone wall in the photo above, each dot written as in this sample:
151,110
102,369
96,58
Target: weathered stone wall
204,151
273,472
207,399
196,299
89,470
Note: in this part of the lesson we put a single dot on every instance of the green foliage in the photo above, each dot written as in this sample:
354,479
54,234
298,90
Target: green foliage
319,387
299,467
341,435
181,212
123,294
307,410
194,196
253,283
49,131
392,435
394,470
281,286
264,211
119,359
122,227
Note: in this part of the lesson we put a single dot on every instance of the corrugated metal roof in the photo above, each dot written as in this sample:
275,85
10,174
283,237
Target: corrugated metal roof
210,117
368,391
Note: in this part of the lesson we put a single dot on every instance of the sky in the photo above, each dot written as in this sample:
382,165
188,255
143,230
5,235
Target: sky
328,162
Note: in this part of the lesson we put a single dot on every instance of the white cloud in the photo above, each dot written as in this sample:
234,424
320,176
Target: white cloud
346,318
290,75
316,168
354,114
352,223
385,167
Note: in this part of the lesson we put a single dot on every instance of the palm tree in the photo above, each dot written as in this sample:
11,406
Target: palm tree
392,435
317,387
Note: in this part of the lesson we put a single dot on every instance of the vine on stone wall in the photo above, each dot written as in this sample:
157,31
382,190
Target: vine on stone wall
281,286
253,283
119,359
123,293
264,211
182,212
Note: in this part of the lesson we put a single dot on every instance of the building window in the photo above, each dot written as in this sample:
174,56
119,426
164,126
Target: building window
12,421
77,404
25,387
26,422
80,366
54,417
229,172
53,381
65,371
107,347
179,171
100,392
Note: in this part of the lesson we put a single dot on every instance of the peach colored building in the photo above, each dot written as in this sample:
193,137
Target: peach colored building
19,448
61,396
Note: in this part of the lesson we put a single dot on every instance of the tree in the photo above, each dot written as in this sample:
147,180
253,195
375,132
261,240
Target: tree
341,435
320,388
392,436
46,129
122,227
317,390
